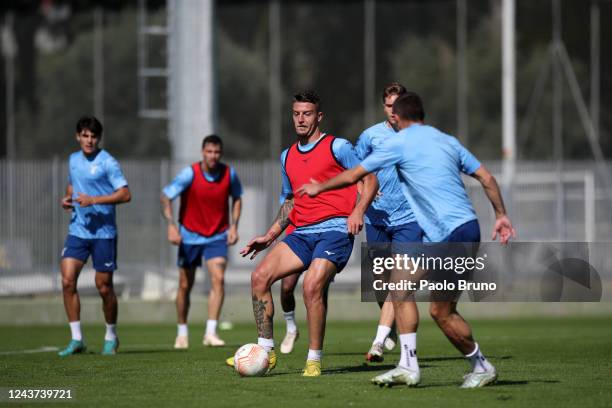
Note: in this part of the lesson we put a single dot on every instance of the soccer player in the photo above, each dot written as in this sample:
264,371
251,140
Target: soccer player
323,239
389,219
95,185
205,230
430,164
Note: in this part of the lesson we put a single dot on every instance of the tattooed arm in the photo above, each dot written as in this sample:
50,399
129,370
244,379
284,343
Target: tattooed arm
282,218
281,222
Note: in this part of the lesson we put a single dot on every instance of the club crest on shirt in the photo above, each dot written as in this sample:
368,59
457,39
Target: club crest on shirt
93,168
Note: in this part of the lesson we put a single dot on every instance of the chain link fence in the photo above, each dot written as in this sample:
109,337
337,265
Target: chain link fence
545,205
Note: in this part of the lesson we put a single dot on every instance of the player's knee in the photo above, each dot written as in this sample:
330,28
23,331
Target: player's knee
260,279
313,291
217,282
287,288
184,286
105,289
69,285
439,312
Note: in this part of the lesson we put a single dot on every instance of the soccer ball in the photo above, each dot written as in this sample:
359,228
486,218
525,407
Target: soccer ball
251,360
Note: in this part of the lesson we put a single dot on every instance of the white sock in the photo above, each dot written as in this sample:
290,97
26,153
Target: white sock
182,330
478,361
267,344
290,320
75,329
381,334
408,356
314,355
111,332
211,326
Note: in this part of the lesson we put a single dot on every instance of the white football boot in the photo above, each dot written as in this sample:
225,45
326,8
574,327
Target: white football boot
398,376
477,380
288,342
212,340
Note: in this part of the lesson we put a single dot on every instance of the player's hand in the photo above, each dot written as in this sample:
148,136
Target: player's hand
232,235
503,227
85,200
67,203
313,189
256,245
354,223
174,236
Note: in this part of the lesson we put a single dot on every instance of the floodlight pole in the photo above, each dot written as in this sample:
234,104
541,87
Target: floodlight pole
9,51
595,66
369,63
274,32
557,118
192,102
98,65
462,75
508,92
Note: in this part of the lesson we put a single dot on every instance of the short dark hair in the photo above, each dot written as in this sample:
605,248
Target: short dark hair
90,123
212,139
308,95
394,88
409,106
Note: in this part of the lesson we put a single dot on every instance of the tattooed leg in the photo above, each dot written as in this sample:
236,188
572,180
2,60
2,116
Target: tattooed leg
263,309
281,261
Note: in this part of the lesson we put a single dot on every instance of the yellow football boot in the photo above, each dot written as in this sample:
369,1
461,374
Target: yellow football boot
312,369
271,360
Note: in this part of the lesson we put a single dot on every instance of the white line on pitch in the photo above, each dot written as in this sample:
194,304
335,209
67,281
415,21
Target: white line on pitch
44,349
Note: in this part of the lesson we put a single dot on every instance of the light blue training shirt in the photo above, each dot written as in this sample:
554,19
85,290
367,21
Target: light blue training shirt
97,175
345,153
181,183
430,164
390,208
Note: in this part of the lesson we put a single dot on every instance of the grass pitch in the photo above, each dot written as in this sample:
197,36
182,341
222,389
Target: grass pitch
541,362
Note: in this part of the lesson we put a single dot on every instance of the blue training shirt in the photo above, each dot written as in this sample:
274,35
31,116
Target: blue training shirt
345,154
430,164
94,176
390,208
181,183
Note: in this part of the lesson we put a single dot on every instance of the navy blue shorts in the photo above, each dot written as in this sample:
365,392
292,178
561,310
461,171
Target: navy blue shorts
394,235
191,255
463,242
103,252
410,232
334,246
468,232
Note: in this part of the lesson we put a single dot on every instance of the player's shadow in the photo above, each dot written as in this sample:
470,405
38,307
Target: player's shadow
498,383
340,370
152,351
286,372
451,358
344,354
358,369
525,382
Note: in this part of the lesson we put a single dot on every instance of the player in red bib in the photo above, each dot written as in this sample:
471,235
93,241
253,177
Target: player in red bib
204,230
322,241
